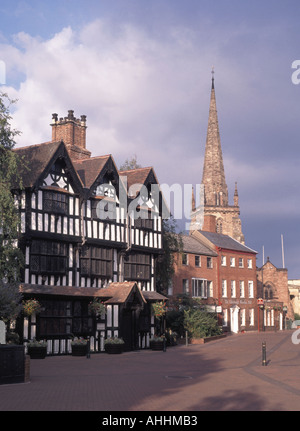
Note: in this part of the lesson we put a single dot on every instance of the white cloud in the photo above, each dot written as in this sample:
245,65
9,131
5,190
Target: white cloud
145,96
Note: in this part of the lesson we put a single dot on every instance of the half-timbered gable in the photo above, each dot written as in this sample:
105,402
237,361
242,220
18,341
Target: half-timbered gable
87,231
104,221
50,214
144,226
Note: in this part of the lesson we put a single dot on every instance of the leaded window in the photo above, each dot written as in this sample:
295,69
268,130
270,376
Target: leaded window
48,257
64,317
137,267
55,202
96,261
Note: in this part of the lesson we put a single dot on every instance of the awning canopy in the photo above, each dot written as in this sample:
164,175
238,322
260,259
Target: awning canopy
114,293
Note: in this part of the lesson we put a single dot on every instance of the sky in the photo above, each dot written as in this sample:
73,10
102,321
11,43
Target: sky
140,70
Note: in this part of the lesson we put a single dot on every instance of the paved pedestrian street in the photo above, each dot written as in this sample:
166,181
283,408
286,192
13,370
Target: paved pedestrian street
223,375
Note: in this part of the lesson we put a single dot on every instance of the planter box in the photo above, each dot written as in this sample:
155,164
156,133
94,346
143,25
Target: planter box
114,348
156,345
80,350
37,352
206,339
12,364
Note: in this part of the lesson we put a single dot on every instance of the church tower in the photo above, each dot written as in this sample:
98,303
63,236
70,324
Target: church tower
217,214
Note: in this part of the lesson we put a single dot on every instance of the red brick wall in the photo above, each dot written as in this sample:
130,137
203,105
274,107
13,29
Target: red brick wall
72,132
190,271
218,273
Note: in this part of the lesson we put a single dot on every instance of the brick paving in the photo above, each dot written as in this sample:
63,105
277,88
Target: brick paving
223,375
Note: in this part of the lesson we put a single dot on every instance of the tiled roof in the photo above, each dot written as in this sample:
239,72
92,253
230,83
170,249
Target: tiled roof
191,245
137,177
38,158
115,293
89,169
226,242
119,293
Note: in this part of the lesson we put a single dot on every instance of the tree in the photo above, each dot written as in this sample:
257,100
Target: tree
200,323
11,257
130,164
165,263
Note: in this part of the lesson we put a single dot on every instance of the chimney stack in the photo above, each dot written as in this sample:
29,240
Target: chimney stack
72,131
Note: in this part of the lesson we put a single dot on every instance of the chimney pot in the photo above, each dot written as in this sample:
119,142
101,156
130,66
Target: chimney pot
72,132
70,114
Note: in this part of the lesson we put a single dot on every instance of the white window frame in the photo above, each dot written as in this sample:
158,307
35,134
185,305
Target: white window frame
225,317
233,288
198,266
250,289
199,286
251,317
243,316
242,289
185,289
232,262
224,288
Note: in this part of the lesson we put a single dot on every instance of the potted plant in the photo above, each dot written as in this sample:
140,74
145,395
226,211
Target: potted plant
79,347
159,309
157,343
114,345
31,306
97,308
37,349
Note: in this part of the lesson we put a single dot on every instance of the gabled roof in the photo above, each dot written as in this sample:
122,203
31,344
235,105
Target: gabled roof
191,245
269,264
121,293
134,179
138,177
90,169
40,158
37,157
222,241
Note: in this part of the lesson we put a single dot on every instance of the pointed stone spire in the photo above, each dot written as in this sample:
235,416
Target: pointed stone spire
215,187
236,196
193,200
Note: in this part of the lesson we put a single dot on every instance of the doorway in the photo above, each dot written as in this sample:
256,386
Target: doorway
234,319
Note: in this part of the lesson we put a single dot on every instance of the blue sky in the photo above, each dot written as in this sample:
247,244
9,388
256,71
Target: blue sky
140,70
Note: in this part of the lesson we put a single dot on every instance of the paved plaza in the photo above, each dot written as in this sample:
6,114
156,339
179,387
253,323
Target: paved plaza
223,375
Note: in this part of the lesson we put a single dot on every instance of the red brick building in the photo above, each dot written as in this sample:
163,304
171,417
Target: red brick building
236,280
222,273
195,273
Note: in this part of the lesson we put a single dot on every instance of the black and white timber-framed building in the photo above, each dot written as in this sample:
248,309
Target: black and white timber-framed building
87,231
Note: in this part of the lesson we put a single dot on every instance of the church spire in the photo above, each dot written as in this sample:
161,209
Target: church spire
215,187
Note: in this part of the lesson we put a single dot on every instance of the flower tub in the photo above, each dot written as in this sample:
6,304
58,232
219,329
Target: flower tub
79,347
114,345
157,343
37,349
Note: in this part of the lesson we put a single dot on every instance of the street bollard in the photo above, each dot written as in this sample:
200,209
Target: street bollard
264,354
88,348
186,338
165,344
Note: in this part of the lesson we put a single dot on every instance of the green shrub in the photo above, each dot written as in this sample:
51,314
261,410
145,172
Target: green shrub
200,324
